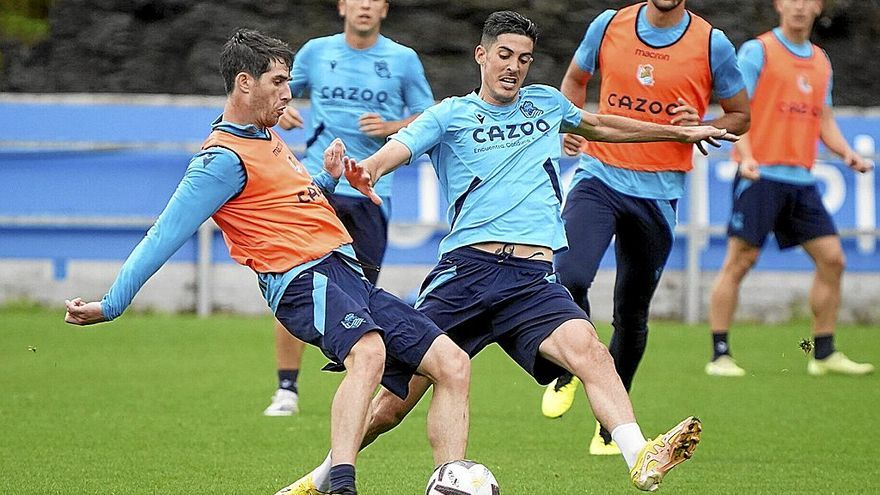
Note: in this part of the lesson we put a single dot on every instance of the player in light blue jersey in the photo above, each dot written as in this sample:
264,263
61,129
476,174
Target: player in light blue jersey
363,87
495,152
659,63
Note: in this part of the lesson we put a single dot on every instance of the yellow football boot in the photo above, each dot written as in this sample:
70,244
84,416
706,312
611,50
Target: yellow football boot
557,401
302,486
665,452
839,364
599,447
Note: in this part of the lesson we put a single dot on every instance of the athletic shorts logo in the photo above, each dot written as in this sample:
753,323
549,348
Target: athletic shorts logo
645,74
530,110
382,69
803,84
352,320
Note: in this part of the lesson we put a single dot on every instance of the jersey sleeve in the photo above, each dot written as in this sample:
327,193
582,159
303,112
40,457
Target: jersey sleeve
571,114
417,94
423,133
751,61
587,54
299,73
213,177
727,80
325,181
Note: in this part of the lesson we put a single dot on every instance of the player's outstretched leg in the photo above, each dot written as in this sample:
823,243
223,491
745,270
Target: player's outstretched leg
575,346
449,367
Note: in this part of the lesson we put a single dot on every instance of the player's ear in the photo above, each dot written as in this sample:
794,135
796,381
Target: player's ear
244,82
385,11
480,54
340,6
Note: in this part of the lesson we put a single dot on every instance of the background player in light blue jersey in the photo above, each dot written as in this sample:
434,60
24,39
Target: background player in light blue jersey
628,195
495,152
363,87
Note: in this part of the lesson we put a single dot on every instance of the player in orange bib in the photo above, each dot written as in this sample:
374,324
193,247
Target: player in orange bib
277,221
659,63
789,80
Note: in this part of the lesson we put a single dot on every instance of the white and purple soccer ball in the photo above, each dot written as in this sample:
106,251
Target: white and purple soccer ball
462,478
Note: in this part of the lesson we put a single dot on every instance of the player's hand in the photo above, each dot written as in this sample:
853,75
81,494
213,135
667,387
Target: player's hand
333,158
854,161
685,114
80,312
571,144
748,169
372,125
360,179
701,134
290,118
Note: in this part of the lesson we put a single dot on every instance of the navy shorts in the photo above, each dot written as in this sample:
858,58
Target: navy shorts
478,298
794,213
332,306
368,228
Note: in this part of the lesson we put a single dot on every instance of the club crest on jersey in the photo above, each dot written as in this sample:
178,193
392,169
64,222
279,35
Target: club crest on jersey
803,84
382,69
530,110
645,74
294,164
352,320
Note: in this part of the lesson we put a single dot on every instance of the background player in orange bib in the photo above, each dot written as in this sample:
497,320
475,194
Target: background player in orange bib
789,80
659,63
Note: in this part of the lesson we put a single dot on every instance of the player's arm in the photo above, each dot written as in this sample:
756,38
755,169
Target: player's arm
617,129
201,192
363,175
373,125
583,65
729,86
299,82
829,133
412,141
574,87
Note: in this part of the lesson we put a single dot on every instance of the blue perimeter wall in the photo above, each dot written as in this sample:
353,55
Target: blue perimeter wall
127,182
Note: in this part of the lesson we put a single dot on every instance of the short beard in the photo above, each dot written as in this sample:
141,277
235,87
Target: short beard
667,9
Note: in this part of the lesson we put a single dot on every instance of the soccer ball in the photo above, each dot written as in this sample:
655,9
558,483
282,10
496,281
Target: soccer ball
462,478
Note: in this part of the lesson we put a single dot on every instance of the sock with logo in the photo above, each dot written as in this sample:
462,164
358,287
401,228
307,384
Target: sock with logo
719,344
287,380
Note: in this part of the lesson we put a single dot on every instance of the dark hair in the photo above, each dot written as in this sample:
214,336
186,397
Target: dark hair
507,22
252,52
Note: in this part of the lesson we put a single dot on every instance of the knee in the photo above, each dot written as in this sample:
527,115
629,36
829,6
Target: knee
367,357
455,367
834,264
737,266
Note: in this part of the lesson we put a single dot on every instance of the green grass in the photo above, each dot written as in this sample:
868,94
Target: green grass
172,405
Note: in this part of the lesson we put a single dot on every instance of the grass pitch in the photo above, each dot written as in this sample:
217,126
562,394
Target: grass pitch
155,404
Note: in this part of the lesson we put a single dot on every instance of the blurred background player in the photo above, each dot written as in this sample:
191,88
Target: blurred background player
276,221
789,80
659,63
496,153
363,87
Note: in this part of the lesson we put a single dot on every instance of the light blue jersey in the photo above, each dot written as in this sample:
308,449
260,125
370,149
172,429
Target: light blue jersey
726,82
498,165
751,63
213,177
345,83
